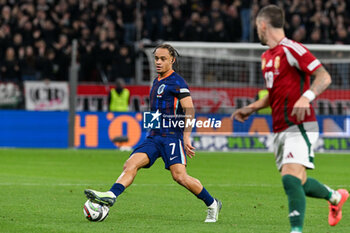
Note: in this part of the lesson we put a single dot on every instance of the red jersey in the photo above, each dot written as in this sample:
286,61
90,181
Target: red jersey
287,69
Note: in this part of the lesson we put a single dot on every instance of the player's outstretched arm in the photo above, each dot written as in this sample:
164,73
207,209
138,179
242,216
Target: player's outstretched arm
321,82
242,114
187,105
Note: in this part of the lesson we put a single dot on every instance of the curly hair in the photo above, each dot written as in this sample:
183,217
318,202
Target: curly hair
172,51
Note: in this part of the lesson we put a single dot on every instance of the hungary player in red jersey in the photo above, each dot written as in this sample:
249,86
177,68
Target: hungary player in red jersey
287,67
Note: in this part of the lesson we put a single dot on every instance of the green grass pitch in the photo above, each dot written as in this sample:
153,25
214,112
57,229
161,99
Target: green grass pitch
42,191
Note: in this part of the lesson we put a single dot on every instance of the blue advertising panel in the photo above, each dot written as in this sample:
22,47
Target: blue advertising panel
33,129
107,130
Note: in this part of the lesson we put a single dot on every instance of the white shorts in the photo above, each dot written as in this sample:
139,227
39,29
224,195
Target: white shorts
295,145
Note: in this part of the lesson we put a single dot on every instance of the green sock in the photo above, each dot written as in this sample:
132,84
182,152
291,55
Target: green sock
296,201
296,229
313,188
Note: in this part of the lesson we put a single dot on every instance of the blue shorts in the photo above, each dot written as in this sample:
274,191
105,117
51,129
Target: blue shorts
171,149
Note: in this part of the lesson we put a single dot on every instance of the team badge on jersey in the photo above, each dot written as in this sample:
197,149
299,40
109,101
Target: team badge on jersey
263,63
277,65
277,62
160,91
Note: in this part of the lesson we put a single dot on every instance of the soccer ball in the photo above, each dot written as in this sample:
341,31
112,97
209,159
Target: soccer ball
95,212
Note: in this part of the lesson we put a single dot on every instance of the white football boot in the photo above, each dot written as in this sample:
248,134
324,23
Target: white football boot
213,211
103,198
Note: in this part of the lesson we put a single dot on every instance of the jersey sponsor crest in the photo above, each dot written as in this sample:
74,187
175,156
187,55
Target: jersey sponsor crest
263,63
277,62
160,90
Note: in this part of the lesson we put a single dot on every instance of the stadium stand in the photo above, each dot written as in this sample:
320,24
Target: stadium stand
35,36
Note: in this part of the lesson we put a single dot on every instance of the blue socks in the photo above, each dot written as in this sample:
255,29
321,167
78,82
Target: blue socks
117,189
206,197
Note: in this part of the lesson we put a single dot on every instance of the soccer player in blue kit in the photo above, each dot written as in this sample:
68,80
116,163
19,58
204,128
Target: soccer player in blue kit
169,97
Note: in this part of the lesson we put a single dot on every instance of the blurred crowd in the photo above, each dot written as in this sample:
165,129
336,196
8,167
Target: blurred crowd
36,35
318,21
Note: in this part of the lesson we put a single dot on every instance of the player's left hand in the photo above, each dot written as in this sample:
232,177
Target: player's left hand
189,148
301,107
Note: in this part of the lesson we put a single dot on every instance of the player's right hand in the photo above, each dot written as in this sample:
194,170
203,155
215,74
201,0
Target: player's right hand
190,150
241,114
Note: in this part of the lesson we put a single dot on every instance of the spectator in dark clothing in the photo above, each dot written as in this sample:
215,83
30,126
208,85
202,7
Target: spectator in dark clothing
206,27
17,42
233,23
177,24
294,25
88,69
124,65
299,35
215,11
6,17
315,37
342,36
50,65
128,12
42,5
5,38
193,29
10,67
168,32
154,12
49,31
315,20
41,60
104,51
326,29
27,33
62,50
343,69
219,33
28,63
245,19
215,15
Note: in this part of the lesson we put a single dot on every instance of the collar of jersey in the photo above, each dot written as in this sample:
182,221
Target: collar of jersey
284,38
279,43
170,73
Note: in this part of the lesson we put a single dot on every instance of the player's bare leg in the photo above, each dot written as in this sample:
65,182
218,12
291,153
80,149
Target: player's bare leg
296,170
179,174
131,166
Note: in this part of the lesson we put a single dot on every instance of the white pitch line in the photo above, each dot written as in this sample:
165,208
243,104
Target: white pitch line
38,184
151,185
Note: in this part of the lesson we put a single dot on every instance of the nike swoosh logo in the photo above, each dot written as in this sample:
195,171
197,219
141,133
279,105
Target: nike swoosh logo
172,158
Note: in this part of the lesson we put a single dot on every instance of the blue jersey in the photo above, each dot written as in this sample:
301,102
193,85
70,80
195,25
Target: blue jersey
165,97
